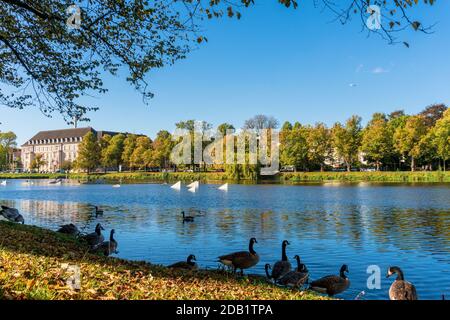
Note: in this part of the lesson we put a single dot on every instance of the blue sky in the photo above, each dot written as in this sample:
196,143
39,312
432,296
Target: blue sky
293,64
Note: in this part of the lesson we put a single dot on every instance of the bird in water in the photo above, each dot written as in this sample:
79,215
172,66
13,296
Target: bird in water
332,285
189,264
241,259
280,268
95,238
98,212
12,214
69,229
187,218
107,247
400,288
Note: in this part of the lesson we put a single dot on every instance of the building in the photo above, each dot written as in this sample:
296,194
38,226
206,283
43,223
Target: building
56,147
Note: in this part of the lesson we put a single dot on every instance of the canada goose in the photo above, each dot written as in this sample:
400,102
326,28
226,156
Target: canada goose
187,218
95,238
12,214
400,289
332,285
295,278
242,259
70,229
107,247
280,268
98,212
189,264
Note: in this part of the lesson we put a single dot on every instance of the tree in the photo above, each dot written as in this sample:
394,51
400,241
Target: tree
129,144
260,122
407,138
140,156
112,153
294,149
441,137
67,166
7,145
224,127
347,140
38,162
55,57
433,113
319,144
377,139
162,147
89,153
195,127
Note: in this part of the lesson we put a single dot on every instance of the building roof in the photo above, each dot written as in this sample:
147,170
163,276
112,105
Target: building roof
61,134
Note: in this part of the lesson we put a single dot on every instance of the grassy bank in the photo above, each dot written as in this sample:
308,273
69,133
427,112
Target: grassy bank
297,177
422,176
31,261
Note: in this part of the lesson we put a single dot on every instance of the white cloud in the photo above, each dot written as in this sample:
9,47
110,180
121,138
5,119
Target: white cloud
379,70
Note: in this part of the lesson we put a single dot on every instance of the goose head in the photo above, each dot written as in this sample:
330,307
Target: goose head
20,219
344,269
99,228
250,246
191,258
285,243
395,270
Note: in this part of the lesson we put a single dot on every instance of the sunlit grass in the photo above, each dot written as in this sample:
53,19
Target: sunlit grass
31,260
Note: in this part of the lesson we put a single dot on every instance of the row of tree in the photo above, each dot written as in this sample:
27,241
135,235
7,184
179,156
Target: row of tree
390,142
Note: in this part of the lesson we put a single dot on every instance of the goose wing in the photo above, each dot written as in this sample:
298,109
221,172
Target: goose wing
10,213
241,259
294,278
280,268
402,290
330,284
182,265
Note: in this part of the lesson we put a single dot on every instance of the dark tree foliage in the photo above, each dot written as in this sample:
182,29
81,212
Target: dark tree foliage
433,113
50,59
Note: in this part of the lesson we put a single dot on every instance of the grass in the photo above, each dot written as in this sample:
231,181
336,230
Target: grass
297,177
31,267
382,176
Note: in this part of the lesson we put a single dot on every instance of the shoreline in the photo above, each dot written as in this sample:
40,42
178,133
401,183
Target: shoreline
33,267
221,177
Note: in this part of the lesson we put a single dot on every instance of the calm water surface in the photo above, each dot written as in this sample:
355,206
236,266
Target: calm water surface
327,225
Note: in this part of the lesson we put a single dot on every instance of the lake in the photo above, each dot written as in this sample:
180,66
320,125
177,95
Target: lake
327,225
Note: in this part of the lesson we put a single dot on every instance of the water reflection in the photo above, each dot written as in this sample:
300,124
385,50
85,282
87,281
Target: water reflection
327,225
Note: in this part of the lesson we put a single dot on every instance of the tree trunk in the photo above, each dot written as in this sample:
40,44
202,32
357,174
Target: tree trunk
444,166
378,165
413,164
321,168
349,167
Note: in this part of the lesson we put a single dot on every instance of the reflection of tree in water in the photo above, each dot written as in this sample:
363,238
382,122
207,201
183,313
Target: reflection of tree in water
427,230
